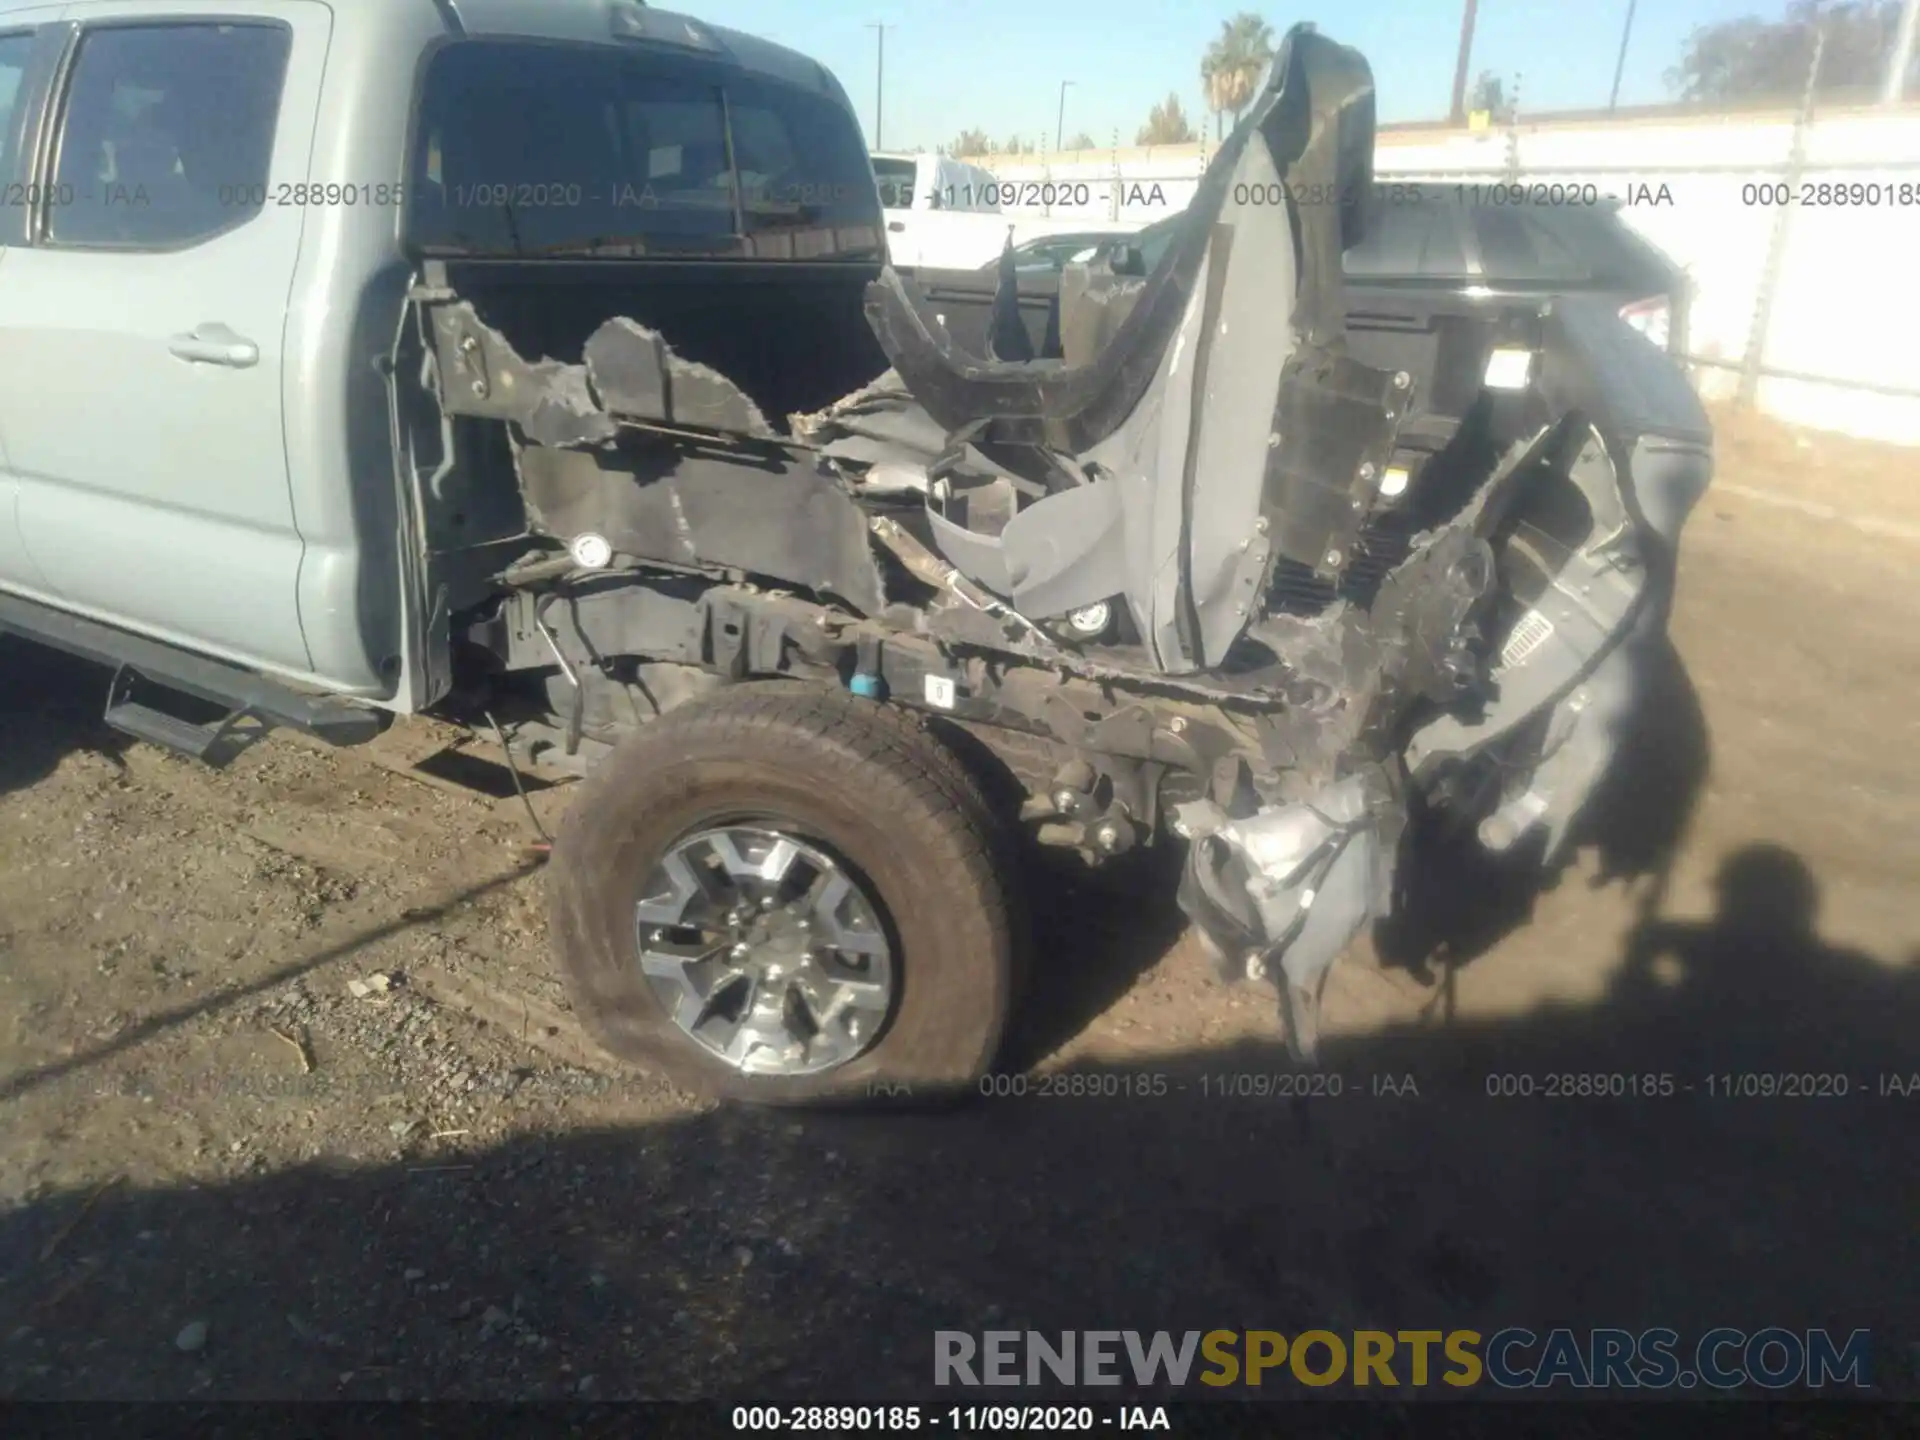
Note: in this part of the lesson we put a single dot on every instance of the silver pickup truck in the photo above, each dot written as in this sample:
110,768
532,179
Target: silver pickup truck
535,364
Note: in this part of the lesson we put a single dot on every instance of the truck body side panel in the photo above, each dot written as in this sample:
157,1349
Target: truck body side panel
346,303
143,344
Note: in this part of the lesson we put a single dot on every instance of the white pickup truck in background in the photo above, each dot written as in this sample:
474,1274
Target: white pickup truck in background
946,214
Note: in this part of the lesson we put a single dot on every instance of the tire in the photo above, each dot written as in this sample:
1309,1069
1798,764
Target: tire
860,783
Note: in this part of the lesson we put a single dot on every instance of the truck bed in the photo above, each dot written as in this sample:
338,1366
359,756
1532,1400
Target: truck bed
791,334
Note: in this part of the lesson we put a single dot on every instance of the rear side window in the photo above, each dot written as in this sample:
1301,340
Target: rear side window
166,135
529,149
15,51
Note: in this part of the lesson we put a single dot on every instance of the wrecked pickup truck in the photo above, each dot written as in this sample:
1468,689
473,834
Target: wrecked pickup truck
538,366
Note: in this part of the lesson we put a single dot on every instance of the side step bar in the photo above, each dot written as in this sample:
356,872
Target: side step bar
251,703
216,743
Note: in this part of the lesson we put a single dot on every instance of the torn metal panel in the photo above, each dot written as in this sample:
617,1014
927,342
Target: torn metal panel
1427,612
630,375
1578,591
1067,551
637,376
880,433
882,394
482,375
782,518
563,411
1586,646
1290,886
1149,444
1237,366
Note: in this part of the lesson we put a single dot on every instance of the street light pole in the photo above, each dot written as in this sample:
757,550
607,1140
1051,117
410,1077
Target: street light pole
1621,64
1060,117
1460,66
879,78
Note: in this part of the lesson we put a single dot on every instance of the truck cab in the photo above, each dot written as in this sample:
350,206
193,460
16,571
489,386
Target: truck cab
941,211
217,214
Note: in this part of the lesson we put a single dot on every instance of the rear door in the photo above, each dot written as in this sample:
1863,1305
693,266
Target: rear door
24,64
899,182
141,363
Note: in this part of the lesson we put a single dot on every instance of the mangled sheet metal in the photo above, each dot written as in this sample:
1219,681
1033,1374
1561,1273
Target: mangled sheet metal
781,517
880,426
636,376
661,457
630,375
1221,426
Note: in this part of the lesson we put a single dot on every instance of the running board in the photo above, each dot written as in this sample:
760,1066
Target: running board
156,727
248,703
215,743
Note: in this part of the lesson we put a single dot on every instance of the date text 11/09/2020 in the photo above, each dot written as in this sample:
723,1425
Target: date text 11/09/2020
1024,194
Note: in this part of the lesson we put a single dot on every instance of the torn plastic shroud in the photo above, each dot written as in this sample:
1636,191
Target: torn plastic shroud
1222,426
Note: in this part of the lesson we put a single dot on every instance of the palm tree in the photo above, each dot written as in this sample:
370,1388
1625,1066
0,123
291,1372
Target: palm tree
1232,66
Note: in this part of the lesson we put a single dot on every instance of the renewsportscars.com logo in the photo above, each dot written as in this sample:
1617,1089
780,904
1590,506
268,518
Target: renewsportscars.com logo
1774,1358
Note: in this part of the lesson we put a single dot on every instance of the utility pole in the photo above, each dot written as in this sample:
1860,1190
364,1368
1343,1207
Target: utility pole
1459,113
879,79
1895,86
1621,64
1060,118
1756,356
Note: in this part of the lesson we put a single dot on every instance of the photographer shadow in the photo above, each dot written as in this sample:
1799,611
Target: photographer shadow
1459,901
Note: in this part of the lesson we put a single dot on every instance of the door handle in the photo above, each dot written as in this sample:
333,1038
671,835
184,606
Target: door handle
897,226
215,344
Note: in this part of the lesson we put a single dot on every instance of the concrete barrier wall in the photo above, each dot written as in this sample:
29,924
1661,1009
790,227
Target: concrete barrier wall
1841,342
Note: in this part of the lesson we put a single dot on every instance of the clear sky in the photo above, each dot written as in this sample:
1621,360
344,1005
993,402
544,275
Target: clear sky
998,64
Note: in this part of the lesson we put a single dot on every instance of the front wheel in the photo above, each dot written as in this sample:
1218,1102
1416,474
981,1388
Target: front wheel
785,894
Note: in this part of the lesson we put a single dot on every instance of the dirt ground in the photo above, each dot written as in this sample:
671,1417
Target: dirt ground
290,1105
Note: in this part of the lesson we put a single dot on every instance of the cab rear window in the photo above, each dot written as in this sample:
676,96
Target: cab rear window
897,178
528,149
